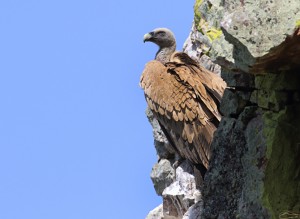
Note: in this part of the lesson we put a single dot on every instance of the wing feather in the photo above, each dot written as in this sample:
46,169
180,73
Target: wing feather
184,97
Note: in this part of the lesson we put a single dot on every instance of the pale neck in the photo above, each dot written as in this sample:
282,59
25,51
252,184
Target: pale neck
164,54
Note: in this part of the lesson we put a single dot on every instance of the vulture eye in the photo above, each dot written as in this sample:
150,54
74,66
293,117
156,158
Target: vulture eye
161,33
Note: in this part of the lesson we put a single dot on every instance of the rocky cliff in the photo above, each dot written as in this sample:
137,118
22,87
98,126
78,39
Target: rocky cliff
254,171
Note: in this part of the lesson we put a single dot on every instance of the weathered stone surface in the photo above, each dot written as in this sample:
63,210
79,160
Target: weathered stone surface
194,47
258,38
252,32
233,102
283,80
233,187
284,57
194,212
182,193
254,164
238,79
162,175
156,213
275,91
220,191
162,146
282,175
261,27
206,62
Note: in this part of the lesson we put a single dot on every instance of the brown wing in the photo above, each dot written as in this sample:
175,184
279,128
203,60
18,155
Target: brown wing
183,106
212,82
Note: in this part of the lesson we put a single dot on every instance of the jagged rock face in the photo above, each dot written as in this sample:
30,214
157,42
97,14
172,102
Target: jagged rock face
181,194
173,180
156,213
254,170
238,34
194,212
162,175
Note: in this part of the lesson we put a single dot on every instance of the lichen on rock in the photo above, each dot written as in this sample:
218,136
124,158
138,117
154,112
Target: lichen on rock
282,174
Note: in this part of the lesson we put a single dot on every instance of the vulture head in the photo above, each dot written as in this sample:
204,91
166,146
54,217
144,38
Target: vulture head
165,39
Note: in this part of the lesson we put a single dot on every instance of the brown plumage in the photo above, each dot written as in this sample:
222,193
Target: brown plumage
183,96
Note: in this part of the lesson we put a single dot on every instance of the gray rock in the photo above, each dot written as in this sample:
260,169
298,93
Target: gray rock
162,146
206,62
260,26
233,102
238,79
251,31
162,175
250,201
181,194
156,213
194,212
224,179
230,104
195,48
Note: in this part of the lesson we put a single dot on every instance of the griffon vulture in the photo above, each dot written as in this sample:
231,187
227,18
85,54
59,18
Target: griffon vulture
183,96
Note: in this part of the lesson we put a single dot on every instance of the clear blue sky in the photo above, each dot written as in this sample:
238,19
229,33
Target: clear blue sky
74,139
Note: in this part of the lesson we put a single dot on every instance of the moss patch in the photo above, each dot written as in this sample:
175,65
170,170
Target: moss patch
201,23
214,33
197,14
280,81
282,176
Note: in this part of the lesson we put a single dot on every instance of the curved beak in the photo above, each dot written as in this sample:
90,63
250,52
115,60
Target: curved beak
148,36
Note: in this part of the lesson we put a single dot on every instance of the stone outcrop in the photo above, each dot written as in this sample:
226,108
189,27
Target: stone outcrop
172,180
254,171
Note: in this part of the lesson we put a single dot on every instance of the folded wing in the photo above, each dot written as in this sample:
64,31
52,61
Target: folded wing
184,97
